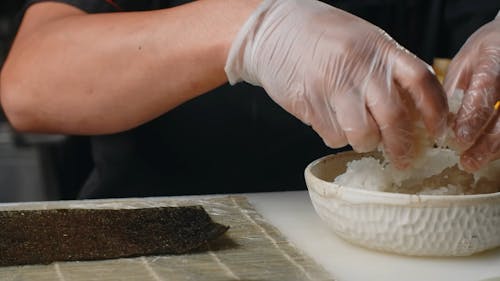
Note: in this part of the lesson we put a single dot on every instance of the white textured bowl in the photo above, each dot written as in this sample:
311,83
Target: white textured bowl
421,225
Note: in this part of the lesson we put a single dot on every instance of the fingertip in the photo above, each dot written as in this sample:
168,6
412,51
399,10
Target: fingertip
415,78
439,130
464,135
370,144
400,150
330,141
334,144
361,131
470,163
401,164
330,132
484,150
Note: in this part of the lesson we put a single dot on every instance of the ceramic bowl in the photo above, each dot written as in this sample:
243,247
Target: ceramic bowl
420,225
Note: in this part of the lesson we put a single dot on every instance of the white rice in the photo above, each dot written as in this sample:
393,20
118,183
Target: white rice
436,173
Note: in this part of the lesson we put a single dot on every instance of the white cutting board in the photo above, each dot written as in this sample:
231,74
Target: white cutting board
293,214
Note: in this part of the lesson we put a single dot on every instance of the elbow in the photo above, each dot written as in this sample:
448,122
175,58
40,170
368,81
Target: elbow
15,103
15,111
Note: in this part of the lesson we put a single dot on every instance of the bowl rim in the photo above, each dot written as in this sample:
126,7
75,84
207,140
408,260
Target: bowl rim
392,196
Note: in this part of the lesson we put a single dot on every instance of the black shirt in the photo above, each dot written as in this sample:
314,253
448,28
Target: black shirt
232,139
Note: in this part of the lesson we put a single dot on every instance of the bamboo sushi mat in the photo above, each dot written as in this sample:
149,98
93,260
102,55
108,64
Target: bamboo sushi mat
252,249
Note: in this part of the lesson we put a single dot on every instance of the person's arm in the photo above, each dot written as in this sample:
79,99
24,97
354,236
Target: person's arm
77,73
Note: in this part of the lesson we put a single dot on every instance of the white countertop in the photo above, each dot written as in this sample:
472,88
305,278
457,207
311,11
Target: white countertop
293,214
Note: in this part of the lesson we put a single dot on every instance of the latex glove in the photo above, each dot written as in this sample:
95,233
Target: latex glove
475,72
344,76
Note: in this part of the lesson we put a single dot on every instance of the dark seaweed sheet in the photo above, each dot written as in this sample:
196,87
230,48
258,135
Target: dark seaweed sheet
46,236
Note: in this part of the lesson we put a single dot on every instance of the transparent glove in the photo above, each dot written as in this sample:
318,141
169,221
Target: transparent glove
340,74
475,73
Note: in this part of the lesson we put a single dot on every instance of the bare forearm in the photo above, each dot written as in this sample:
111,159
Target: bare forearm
103,73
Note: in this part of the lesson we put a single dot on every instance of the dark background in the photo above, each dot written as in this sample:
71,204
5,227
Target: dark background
46,167
8,11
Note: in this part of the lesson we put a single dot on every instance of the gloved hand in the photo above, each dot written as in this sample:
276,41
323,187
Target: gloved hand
344,76
475,72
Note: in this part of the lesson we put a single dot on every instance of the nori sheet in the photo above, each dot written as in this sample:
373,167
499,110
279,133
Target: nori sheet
46,236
